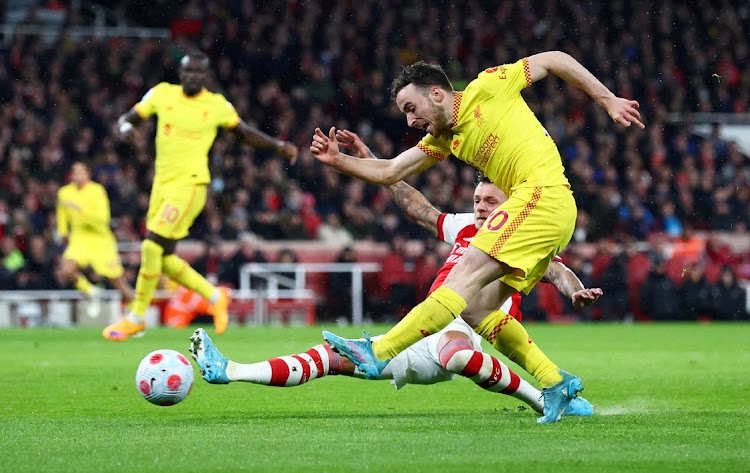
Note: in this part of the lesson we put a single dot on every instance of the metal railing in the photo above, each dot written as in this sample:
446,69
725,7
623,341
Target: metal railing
280,286
76,33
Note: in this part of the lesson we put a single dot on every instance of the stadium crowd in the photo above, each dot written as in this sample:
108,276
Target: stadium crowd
289,66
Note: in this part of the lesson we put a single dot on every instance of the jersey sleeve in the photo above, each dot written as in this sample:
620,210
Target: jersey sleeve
434,147
61,215
149,104
450,224
507,80
228,117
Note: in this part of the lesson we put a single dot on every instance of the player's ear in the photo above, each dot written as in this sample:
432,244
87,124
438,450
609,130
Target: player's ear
437,94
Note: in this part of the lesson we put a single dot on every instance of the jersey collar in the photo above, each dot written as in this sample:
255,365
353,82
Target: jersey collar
456,107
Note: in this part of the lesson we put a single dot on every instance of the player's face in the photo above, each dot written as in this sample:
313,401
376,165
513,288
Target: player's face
487,197
79,175
423,110
193,74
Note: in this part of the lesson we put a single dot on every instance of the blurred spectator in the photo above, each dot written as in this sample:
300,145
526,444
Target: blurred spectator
13,259
669,220
531,309
310,217
659,296
718,252
359,221
689,248
613,281
695,294
729,299
209,262
331,231
291,226
286,255
39,263
247,252
340,287
397,285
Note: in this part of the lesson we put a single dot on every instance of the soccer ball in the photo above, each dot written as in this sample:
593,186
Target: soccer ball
164,377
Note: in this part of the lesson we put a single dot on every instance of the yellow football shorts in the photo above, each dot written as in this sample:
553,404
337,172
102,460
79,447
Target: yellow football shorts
527,231
97,251
173,209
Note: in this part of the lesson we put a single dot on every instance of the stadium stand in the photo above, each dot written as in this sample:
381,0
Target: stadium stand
668,192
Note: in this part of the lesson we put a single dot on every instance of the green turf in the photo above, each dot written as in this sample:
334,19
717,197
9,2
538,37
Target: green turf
668,398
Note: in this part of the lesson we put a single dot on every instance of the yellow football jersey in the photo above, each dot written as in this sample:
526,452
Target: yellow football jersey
494,130
83,213
186,129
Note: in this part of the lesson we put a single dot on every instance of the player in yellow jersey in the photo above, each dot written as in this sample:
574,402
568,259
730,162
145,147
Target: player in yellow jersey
83,221
188,119
489,126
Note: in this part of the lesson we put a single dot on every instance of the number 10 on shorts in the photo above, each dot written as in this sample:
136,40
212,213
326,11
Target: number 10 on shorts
496,221
170,213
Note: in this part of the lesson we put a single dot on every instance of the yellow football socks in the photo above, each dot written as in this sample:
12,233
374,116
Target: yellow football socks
177,269
83,284
510,338
429,317
148,277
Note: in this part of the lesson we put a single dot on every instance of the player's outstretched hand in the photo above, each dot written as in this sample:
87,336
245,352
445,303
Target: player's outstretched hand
624,111
352,141
289,151
586,297
325,148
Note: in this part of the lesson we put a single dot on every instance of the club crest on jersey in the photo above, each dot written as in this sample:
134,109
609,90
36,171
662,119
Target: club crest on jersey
492,70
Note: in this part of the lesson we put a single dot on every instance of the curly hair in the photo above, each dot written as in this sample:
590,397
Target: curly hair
422,75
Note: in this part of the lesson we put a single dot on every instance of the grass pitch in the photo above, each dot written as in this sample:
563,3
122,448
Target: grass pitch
667,398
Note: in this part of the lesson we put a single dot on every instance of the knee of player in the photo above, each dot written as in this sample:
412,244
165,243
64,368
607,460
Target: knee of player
457,360
456,354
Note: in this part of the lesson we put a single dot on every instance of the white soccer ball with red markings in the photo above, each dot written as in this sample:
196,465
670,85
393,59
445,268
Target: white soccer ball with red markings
164,377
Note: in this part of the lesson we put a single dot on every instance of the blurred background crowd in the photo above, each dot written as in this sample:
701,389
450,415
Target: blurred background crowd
663,213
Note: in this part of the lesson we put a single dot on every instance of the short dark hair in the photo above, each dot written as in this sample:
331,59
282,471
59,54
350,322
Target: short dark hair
422,75
196,54
480,178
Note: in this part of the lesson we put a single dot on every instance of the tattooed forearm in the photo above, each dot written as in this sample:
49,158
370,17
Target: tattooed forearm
563,278
415,205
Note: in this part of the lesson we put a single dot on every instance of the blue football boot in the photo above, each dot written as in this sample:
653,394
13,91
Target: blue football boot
557,398
579,407
212,363
359,352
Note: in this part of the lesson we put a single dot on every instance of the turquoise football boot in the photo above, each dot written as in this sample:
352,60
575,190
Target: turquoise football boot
557,398
579,407
359,352
212,363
